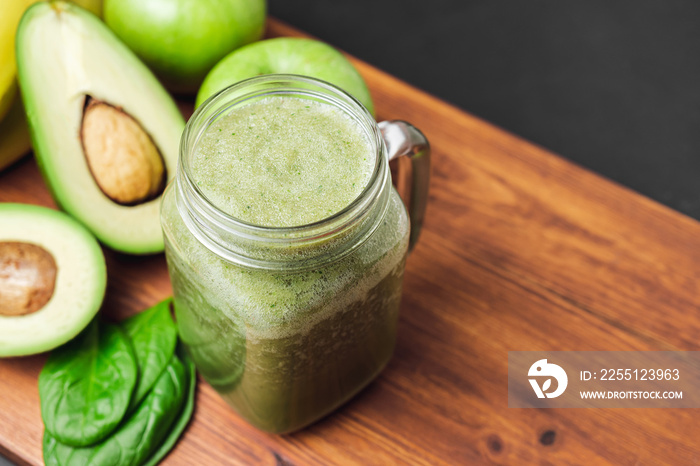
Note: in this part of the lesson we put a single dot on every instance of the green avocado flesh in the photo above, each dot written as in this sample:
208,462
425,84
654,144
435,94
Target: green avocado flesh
52,279
104,130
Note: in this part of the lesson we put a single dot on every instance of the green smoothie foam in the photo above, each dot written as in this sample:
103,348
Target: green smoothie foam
282,162
285,348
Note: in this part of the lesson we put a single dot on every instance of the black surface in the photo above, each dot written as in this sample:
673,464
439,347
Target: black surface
613,85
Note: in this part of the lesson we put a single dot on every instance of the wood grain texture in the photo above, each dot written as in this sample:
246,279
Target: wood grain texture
521,250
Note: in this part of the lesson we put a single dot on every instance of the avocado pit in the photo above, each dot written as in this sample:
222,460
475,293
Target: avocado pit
123,159
27,278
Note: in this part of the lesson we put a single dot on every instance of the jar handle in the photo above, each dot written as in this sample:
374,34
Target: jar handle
402,138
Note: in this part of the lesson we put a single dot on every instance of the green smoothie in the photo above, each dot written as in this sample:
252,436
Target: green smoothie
283,162
285,347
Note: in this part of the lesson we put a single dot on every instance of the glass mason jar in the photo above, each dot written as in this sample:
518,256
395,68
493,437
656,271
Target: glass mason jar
289,323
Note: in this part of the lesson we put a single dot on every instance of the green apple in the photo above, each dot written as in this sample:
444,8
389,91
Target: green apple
289,56
180,40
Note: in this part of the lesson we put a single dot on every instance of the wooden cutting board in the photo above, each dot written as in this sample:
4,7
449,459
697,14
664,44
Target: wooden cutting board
521,250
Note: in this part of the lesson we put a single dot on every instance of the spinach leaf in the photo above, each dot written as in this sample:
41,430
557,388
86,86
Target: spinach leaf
183,418
86,385
138,436
60,454
153,336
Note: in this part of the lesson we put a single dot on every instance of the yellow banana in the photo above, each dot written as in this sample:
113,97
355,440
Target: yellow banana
94,6
14,135
12,11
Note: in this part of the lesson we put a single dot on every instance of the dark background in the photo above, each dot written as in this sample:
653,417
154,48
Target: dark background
613,85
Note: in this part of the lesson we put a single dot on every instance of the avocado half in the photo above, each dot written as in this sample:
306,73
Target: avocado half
104,130
52,279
